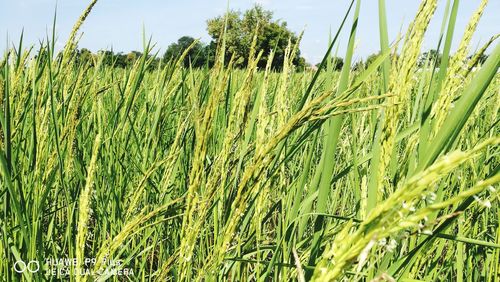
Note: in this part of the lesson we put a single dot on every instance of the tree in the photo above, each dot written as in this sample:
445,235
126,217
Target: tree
481,59
196,56
120,60
240,31
107,57
336,63
84,56
371,58
131,57
431,56
115,60
359,65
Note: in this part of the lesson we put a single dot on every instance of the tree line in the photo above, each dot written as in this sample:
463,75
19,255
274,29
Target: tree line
239,31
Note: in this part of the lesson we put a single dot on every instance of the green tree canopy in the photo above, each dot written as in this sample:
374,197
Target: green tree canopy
240,31
431,56
197,56
336,63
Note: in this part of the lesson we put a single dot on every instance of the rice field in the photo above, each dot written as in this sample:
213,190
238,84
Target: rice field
386,173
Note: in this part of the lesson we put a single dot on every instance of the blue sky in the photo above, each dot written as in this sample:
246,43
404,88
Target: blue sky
119,23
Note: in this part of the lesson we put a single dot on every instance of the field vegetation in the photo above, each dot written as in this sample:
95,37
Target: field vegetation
385,172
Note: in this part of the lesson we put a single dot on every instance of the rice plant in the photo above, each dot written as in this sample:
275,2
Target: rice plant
384,173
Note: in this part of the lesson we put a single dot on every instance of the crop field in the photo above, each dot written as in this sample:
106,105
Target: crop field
387,172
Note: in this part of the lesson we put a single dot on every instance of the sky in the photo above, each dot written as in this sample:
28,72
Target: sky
119,24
